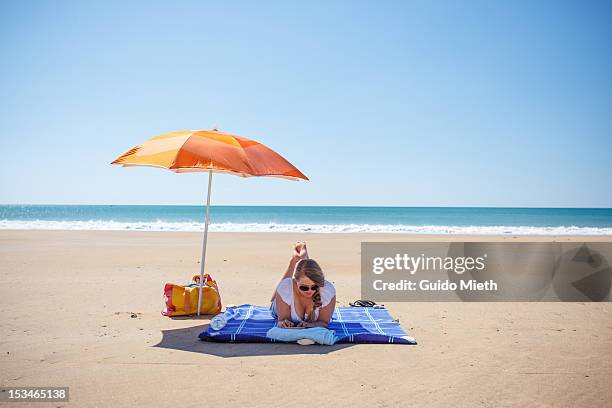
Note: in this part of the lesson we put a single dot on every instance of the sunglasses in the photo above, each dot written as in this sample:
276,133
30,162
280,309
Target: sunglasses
305,288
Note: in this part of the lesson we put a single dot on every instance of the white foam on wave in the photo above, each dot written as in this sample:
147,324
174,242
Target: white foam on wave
99,225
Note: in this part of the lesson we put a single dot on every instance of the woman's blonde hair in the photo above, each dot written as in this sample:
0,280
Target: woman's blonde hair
311,269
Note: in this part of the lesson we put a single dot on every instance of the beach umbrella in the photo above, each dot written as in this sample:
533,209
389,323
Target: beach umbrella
209,151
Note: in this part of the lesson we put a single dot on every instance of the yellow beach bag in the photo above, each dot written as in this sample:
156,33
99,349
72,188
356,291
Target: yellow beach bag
182,300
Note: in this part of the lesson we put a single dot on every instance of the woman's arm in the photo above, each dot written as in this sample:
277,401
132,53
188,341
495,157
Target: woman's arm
325,315
283,312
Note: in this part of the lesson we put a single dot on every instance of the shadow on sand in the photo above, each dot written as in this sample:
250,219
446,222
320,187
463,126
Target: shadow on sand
186,339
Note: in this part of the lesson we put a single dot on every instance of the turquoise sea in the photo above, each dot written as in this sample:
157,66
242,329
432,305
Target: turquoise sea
468,220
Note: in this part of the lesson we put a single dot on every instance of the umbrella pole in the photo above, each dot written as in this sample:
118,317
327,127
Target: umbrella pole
210,173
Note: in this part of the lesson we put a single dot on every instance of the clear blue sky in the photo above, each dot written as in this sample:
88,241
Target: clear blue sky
410,103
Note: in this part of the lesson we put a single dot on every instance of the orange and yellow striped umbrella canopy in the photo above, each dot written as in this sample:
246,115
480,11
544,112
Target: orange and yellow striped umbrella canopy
210,150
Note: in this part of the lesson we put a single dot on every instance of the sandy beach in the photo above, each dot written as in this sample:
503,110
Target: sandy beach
68,298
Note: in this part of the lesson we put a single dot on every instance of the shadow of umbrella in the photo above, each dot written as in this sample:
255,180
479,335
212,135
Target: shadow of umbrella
186,339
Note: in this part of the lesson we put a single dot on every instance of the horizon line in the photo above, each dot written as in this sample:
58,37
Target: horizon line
308,206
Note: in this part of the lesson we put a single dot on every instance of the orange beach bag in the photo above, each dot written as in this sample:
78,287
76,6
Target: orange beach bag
182,300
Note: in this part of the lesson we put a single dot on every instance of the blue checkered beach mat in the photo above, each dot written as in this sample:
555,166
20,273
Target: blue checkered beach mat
351,324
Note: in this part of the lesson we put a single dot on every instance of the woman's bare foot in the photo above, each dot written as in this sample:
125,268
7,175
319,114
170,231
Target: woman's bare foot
299,250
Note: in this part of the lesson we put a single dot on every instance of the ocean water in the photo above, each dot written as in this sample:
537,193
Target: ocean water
431,220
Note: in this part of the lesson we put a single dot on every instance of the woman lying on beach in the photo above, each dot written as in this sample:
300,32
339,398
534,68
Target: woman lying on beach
303,298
